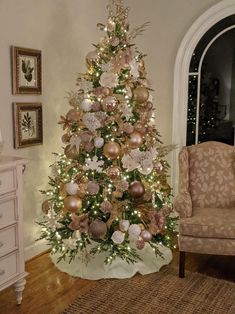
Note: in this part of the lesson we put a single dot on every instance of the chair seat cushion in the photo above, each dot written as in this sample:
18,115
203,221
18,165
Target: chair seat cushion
210,223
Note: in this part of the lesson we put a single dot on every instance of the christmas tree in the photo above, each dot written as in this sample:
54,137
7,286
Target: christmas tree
109,189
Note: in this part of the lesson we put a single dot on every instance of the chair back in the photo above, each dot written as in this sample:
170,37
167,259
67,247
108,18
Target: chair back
211,174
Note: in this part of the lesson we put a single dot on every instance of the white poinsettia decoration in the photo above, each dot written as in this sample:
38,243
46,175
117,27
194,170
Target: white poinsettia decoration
109,79
126,111
85,85
91,121
70,243
143,161
94,164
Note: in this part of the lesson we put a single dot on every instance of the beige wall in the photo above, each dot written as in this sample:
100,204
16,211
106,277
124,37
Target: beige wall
64,31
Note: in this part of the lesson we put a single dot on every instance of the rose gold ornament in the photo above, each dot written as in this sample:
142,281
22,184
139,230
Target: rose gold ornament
136,189
135,140
140,128
71,152
111,150
65,138
114,173
45,207
117,194
97,229
91,57
72,204
128,128
146,235
109,104
71,188
140,244
106,207
93,187
73,115
141,94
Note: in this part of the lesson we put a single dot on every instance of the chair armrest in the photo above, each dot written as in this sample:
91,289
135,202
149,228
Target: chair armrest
183,205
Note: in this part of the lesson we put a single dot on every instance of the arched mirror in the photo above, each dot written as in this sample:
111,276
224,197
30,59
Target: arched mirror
211,86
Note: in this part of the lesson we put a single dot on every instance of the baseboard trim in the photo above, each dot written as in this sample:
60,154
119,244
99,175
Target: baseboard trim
35,249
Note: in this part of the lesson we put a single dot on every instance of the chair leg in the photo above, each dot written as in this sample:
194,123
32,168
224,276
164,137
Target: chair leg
182,265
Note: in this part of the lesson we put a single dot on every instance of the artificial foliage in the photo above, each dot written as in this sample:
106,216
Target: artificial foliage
109,190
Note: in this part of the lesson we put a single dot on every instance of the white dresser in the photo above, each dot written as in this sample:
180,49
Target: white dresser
12,264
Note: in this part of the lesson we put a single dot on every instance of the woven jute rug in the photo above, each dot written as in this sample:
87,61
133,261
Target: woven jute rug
158,293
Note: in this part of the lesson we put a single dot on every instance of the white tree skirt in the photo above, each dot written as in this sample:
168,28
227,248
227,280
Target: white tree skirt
96,269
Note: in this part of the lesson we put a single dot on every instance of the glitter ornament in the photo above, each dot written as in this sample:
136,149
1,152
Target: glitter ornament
86,105
111,150
114,173
146,235
124,225
136,189
106,207
118,237
72,204
97,229
98,142
135,140
93,187
140,244
65,138
109,104
134,230
71,188
141,94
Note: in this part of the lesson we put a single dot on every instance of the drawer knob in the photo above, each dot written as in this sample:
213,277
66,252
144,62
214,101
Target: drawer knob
1,244
2,272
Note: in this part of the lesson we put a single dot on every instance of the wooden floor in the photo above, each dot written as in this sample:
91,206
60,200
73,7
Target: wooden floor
48,291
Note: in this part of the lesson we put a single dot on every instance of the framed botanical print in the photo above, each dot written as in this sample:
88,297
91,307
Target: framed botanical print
27,124
26,71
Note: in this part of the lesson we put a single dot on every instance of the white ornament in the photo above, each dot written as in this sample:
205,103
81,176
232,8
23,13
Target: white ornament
126,111
109,79
118,237
70,243
134,69
98,142
76,235
134,230
71,188
86,105
94,164
75,140
124,225
91,122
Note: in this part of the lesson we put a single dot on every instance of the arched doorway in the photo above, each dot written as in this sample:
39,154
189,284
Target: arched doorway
201,26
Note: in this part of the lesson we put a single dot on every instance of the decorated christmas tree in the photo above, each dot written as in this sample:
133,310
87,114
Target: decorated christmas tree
109,190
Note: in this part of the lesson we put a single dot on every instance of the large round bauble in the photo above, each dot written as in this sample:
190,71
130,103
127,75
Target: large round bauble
109,104
71,188
111,150
140,128
114,173
91,57
98,142
146,235
86,105
106,207
135,140
98,229
71,152
45,207
141,94
72,204
136,189
73,115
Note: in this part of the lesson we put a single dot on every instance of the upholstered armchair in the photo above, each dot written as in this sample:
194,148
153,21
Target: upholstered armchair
206,200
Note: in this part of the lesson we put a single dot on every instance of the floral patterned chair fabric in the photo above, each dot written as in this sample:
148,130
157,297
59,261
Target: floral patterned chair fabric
206,200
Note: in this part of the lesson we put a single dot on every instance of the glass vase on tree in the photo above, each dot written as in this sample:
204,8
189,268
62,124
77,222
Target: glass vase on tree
108,211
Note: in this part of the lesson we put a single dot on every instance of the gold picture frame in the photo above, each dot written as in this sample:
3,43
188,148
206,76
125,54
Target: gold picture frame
26,71
28,124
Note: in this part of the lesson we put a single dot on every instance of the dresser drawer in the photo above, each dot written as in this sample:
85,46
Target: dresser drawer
8,267
7,180
8,212
8,240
